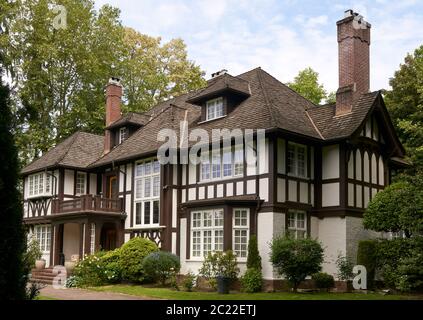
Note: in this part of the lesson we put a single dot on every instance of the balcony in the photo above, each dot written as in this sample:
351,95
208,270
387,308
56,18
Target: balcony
86,204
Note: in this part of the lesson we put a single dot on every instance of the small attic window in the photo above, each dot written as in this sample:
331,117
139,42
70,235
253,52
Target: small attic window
214,109
123,134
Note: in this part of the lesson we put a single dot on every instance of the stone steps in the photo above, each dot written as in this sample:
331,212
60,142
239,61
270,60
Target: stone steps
45,276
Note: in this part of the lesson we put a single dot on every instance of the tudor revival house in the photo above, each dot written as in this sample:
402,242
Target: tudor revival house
314,176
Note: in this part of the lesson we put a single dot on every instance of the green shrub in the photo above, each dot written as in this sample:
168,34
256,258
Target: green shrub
132,254
223,264
410,273
112,266
345,268
367,256
161,266
296,258
91,271
323,280
253,258
33,253
252,280
189,281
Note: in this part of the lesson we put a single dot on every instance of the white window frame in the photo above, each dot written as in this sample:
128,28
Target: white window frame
203,229
123,134
80,183
296,228
294,168
214,109
40,185
42,233
209,166
142,179
92,238
240,228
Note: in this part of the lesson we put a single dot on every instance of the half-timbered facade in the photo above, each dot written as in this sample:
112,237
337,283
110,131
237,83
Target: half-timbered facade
313,174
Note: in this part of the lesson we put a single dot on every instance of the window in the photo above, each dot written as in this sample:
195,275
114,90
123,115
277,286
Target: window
80,183
147,193
297,223
42,234
123,134
240,232
39,184
297,160
92,238
228,163
214,109
206,232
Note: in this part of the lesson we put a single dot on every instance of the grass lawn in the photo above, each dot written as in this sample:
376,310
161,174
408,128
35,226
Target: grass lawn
45,298
165,293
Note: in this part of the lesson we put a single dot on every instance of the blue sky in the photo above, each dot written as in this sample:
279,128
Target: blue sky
281,36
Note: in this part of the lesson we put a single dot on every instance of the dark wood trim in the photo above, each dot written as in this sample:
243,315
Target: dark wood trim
61,183
227,227
188,235
343,174
132,194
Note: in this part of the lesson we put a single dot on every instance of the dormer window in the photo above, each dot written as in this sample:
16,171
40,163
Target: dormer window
214,109
123,134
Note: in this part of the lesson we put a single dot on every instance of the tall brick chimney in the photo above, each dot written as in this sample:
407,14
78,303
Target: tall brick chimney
354,60
113,111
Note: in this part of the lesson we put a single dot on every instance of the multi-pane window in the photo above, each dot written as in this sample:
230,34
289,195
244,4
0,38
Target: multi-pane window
214,109
147,193
42,234
92,238
80,183
240,232
39,184
223,164
123,134
297,156
297,223
206,232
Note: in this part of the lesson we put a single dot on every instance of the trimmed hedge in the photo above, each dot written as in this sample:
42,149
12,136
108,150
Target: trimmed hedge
253,258
367,256
323,280
161,266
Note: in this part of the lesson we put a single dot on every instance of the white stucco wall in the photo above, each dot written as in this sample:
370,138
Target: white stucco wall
330,194
330,162
69,181
71,240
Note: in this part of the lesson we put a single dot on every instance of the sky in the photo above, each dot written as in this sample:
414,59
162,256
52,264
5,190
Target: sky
281,36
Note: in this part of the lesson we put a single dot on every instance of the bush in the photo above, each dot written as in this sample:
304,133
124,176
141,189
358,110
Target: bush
296,258
132,254
189,281
223,264
253,258
252,280
345,268
366,256
323,280
112,266
33,253
410,273
91,271
161,266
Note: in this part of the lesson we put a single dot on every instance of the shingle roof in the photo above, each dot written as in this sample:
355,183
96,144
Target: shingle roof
332,127
134,118
79,150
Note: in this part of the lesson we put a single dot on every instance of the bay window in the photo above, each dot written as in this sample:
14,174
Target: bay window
297,155
240,226
147,193
39,184
225,163
297,224
206,232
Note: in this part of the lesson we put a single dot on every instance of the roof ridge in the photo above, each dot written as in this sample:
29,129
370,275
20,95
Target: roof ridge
266,98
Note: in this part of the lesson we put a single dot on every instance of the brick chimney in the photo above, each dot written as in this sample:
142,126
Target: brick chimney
354,57
113,111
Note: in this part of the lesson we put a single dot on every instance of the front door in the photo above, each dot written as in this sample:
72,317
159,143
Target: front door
112,187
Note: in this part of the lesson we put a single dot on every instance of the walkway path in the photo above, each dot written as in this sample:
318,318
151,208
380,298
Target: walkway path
81,294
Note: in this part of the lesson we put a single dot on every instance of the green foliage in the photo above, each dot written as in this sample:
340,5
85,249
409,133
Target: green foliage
132,254
90,271
410,272
399,207
13,277
367,256
323,280
252,280
112,265
296,258
223,264
32,254
189,281
253,258
405,105
345,268
161,266
306,83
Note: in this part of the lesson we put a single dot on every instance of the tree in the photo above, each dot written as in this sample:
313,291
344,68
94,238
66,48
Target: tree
405,105
296,258
253,258
399,207
12,243
306,83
